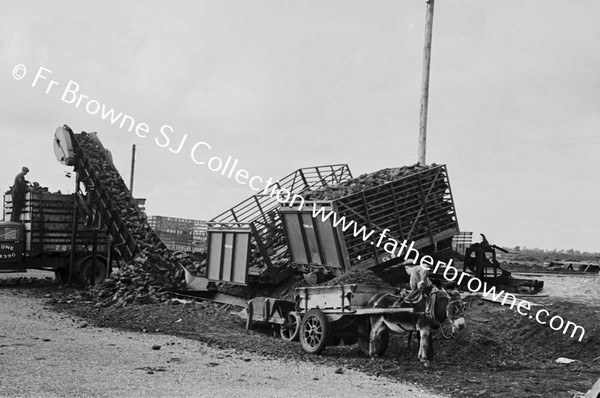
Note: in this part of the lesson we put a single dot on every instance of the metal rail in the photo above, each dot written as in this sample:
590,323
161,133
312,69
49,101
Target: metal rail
259,205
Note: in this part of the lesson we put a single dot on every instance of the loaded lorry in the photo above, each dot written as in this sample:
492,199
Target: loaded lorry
80,235
43,239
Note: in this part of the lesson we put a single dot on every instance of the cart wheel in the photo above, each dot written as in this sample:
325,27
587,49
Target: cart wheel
290,329
84,276
365,338
314,332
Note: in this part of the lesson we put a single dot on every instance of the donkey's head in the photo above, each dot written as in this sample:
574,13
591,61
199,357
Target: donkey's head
455,311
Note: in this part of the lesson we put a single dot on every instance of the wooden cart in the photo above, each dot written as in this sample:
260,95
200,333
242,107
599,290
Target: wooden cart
324,315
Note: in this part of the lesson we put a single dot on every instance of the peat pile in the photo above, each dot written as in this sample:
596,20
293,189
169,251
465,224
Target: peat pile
35,187
364,182
144,280
154,269
120,196
357,276
286,289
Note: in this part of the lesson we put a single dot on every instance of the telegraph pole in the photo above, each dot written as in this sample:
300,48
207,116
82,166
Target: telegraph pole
425,82
132,169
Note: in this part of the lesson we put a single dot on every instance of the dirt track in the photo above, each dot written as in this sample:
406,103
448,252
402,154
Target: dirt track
49,354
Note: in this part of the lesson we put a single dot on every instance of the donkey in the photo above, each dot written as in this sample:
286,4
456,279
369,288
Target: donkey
430,312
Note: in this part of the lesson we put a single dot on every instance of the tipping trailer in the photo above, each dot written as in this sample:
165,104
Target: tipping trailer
246,244
409,203
43,239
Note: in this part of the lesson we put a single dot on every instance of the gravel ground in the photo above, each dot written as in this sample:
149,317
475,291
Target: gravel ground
49,354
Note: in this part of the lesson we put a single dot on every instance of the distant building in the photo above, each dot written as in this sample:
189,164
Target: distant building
181,234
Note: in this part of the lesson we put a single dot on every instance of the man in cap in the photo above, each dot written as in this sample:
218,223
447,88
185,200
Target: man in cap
419,278
19,189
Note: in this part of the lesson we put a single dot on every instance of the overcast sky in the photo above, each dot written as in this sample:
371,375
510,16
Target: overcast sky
279,85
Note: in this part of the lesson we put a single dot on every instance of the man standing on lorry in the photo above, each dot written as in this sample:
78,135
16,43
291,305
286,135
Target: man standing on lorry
18,191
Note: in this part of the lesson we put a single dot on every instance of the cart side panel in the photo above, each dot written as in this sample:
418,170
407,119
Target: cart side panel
293,228
228,255
312,241
338,298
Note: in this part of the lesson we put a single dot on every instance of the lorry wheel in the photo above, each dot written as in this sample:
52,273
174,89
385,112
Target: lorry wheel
84,276
314,332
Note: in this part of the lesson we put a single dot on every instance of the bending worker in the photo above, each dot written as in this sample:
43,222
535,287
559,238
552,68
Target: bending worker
19,189
419,278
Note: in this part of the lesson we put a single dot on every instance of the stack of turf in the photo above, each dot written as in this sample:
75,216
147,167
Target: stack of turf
364,182
154,269
357,276
35,187
144,280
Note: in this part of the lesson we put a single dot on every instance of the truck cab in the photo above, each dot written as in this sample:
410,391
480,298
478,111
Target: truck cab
12,246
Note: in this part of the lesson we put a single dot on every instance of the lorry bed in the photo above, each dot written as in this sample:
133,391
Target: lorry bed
48,222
